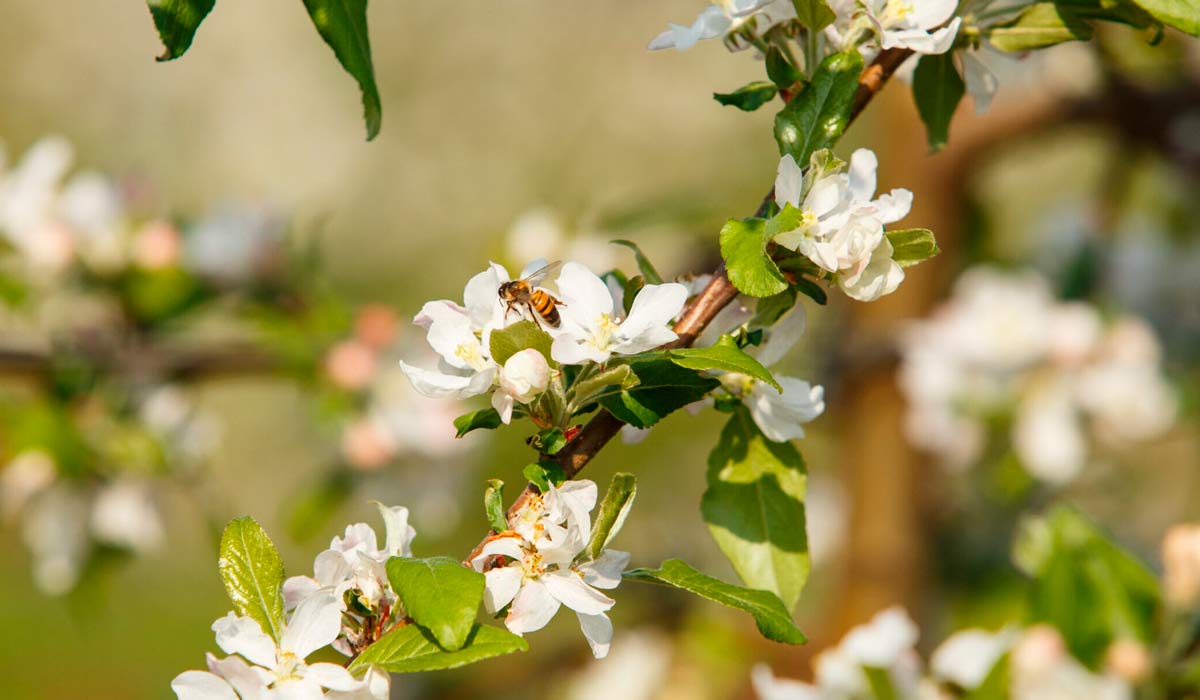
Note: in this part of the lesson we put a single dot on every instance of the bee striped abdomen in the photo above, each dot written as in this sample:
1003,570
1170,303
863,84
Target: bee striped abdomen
546,307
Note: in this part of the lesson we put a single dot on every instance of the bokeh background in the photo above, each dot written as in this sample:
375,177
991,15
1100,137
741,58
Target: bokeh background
543,117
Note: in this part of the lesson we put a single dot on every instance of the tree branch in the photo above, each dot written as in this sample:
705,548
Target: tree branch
718,294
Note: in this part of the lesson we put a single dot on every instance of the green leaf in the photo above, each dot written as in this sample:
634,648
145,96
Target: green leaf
644,265
748,97
486,419
880,682
769,613
548,441
493,505
995,684
812,290
177,22
726,356
632,286
1092,591
937,89
814,14
1038,26
1184,15
663,387
253,574
619,375
521,335
913,245
410,649
770,309
754,508
817,116
744,249
780,70
439,594
542,474
613,510
343,25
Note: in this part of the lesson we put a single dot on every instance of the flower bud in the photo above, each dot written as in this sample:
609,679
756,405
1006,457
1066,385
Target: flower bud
157,246
1128,659
1181,565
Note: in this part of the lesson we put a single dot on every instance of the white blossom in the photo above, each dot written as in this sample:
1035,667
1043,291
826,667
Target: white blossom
591,327
523,378
716,20
966,657
914,24
535,569
274,670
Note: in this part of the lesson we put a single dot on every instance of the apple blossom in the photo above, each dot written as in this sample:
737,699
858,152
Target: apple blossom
716,20
274,670
523,378
914,24
592,329
966,657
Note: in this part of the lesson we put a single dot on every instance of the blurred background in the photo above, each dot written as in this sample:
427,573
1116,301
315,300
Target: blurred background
249,215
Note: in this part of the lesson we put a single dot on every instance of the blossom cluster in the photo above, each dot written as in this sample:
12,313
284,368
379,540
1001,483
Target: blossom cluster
1040,666
1004,346
347,604
540,564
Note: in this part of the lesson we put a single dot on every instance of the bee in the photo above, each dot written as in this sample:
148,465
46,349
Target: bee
525,292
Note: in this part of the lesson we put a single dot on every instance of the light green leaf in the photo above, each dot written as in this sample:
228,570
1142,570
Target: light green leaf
995,685
410,649
1184,15
439,594
814,14
617,376
548,441
649,274
912,246
880,682
253,574
937,89
1038,26
485,419
754,508
744,249
613,510
663,387
493,505
817,116
748,97
725,356
522,335
542,474
343,26
769,614
177,22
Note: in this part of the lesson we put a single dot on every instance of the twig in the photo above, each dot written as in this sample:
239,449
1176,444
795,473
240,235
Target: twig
719,292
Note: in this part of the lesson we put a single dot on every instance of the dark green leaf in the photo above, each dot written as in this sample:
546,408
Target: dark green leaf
770,309
542,474
725,356
613,509
748,97
754,508
744,249
769,613
814,14
644,265
487,419
780,70
549,441
913,245
522,335
817,116
439,594
812,290
253,574
410,649
663,387
937,89
1184,15
177,22
343,25
493,505
632,286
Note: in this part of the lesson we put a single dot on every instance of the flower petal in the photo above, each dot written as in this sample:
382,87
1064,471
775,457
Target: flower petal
250,682
399,533
789,180
863,164
605,572
315,624
201,685
332,676
297,588
242,635
655,306
532,608
598,630
500,587
569,588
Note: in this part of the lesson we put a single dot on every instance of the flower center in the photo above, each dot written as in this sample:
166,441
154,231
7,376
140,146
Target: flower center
532,565
471,354
603,329
896,13
288,667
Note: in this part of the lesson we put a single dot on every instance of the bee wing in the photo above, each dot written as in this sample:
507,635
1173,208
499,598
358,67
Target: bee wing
538,276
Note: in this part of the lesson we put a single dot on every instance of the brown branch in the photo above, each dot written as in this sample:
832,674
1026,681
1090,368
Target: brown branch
719,292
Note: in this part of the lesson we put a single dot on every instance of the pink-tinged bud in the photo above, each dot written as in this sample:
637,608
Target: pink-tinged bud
1128,659
366,447
350,364
157,246
1041,648
376,325
1181,565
